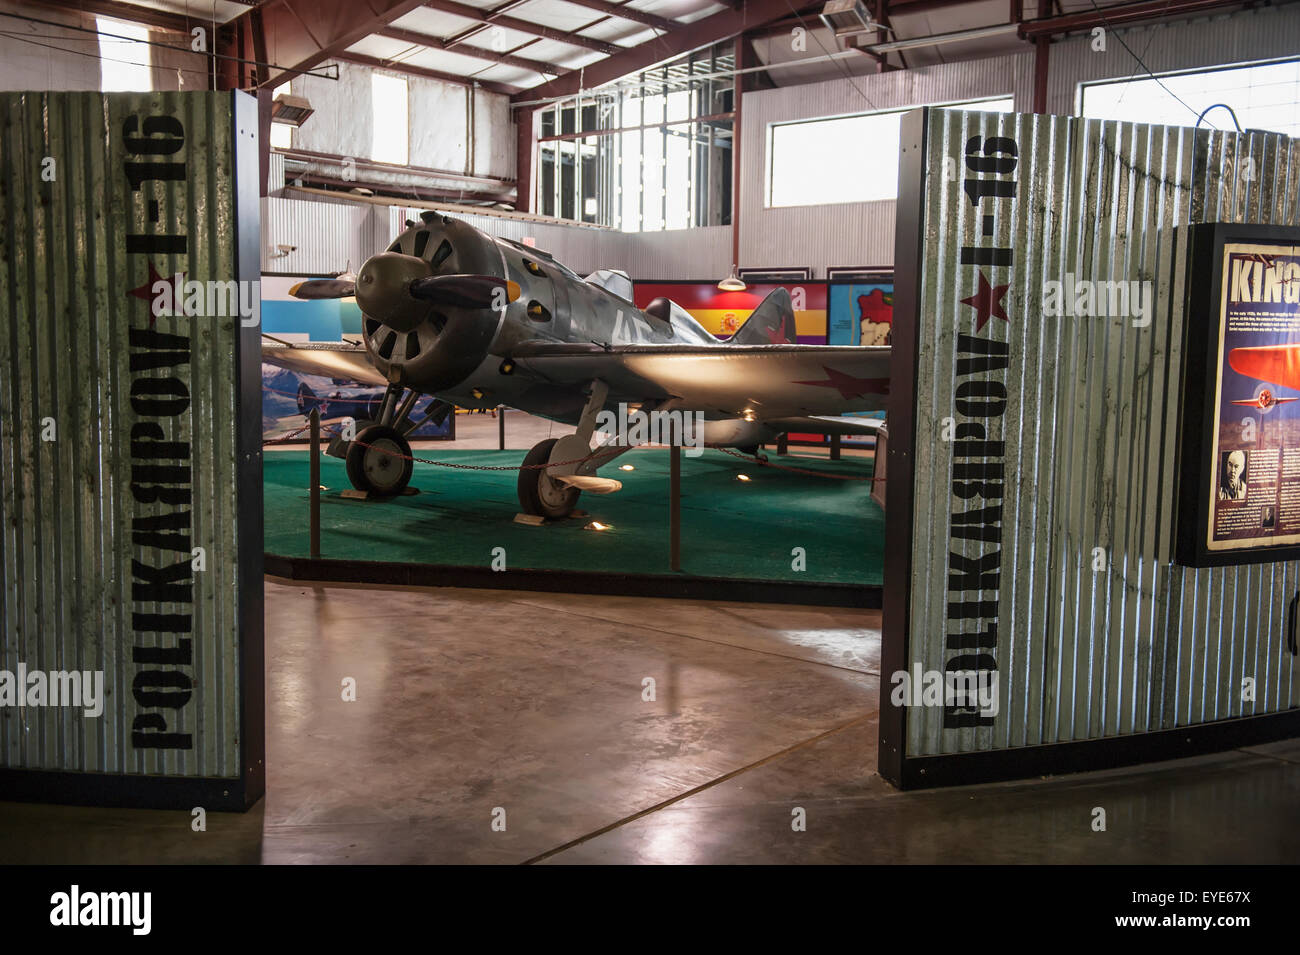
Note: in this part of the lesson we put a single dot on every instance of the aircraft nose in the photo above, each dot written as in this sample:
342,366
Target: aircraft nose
382,286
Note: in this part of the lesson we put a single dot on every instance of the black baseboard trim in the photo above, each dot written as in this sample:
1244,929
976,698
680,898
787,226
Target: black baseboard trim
960,769
126,791
574,582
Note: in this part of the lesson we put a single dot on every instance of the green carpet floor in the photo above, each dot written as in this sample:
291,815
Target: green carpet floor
730,528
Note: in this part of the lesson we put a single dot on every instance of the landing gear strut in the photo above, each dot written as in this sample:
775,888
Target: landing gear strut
540,491
379,458
379,461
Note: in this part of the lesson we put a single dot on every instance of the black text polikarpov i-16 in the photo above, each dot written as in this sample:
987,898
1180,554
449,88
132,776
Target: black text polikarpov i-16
479,321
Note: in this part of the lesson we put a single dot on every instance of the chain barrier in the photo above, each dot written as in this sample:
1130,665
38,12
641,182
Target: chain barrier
761,462
765,463
469,467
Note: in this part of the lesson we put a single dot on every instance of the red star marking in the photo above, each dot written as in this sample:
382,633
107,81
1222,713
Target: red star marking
988,302
849,386
777,335
146,292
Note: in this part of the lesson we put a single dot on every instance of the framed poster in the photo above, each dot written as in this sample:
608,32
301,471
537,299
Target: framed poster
860,312
1240,465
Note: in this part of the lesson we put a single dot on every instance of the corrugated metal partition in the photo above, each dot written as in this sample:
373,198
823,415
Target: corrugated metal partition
1043,457
125,447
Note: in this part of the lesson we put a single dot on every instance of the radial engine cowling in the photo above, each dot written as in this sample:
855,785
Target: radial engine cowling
432,304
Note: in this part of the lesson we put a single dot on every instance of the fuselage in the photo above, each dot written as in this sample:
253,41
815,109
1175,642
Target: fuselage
461,354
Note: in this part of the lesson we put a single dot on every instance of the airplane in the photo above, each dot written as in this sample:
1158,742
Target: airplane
1274,364
480,321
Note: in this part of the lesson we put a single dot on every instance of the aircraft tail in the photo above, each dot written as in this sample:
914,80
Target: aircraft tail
306,399
772,323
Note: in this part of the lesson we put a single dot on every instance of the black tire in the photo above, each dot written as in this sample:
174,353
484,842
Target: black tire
540,495
372,465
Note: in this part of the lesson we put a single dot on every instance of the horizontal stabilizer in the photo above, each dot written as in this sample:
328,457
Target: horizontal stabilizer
324,288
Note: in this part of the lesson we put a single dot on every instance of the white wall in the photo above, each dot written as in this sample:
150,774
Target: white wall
851,234
343,122
862,234
50,58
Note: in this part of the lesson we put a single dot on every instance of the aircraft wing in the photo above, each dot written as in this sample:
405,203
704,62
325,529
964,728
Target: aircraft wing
332,360
827,424
766,381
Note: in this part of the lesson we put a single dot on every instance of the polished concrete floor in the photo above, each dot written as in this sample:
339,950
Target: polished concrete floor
533,709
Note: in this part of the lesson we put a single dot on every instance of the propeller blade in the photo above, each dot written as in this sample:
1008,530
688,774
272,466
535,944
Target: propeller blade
465,291
324,288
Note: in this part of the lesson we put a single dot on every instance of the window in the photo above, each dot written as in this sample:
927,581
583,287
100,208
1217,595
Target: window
124,64
647,155
844,159
1264,96
390,141
282,133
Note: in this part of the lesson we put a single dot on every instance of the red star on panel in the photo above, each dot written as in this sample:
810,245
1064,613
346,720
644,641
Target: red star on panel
849,386
147,293
777,335
988,302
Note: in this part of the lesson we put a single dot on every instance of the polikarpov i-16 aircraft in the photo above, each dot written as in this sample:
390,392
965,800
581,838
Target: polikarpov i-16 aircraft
479,321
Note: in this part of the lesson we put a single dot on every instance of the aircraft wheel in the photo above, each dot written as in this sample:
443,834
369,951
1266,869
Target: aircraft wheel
374,463
538,492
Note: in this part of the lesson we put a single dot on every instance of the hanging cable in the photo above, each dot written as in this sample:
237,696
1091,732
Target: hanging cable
1219,106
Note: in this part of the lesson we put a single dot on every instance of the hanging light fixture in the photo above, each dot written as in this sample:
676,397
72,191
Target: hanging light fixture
733,282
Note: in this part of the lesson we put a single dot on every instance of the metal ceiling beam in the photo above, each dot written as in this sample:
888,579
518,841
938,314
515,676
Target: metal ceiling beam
480,27
301,36
465,49
1120,15
132,13
504,88
523,26
724,25
903,7
624,12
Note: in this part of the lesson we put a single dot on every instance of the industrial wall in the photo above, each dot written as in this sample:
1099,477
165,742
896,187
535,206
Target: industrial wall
702,253
326,237
42,56
1042,450
853,233
863,233
329,233
130,458
453,127
848,234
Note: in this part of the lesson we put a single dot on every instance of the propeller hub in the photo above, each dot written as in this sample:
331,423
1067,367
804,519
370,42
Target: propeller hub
383,290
